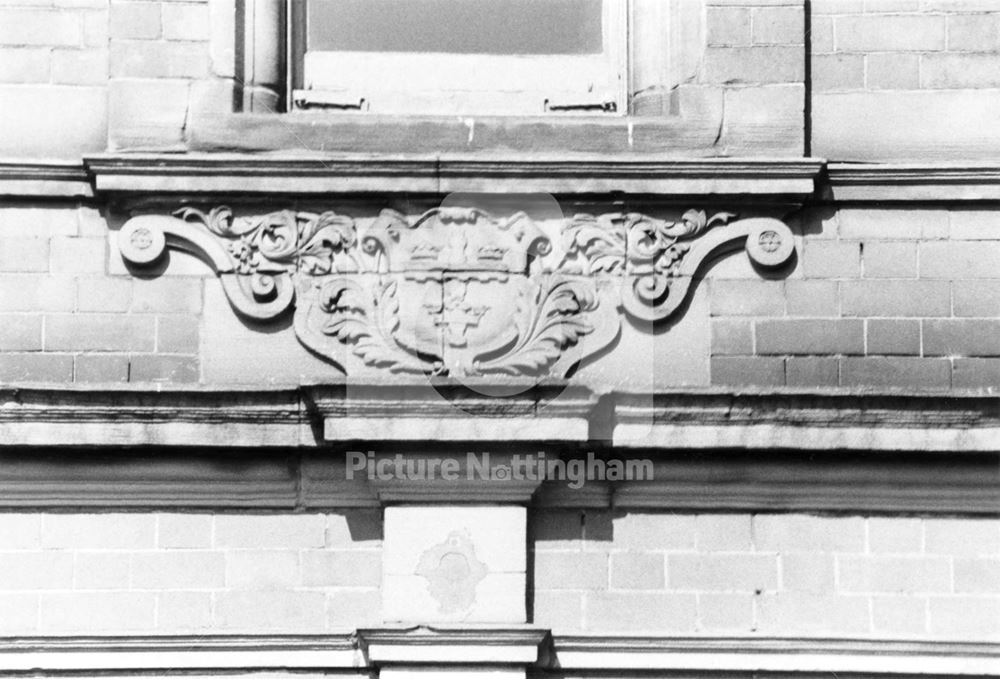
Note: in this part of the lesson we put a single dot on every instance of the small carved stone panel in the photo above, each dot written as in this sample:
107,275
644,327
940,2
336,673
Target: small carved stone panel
456,291
454,564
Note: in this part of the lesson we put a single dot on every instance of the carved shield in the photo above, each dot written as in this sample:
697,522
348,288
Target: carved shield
455,293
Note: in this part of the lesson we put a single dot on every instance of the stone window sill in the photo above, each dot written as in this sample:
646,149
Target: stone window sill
325,132
698,128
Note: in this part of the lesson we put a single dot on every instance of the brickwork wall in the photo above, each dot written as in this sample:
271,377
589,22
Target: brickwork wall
65,318
776,575
905,44
53,77
905,79
188,573
78,76
755,52
882,298
161,52
594,571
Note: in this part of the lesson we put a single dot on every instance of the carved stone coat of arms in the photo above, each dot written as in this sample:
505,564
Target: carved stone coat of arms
454,291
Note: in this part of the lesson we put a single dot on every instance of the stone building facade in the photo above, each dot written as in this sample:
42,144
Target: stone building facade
767,277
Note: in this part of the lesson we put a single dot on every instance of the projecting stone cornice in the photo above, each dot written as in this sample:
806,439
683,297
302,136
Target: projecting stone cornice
528,647
220,173
558,412
829,420
736,656
912,182
44,179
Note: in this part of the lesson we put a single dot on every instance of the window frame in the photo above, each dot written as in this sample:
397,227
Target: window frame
540,72
668,102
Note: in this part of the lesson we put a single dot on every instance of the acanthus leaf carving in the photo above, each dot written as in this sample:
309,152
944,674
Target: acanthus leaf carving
368,324
455,291
593,245
556,317
282,241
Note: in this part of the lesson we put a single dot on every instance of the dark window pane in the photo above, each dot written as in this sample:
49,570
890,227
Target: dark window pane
456,26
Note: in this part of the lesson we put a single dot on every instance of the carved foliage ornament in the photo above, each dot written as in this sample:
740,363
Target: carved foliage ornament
455,291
